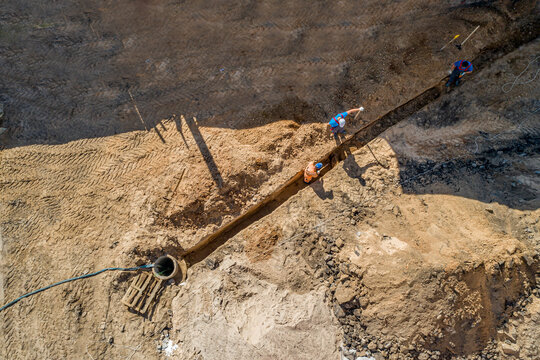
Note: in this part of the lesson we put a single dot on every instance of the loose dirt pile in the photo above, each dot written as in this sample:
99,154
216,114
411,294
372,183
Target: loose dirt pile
427,258
424,259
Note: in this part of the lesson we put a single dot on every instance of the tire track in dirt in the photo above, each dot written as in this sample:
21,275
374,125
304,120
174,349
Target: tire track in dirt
64,172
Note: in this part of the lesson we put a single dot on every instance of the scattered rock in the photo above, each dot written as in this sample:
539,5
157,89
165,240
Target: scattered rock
338,311
344,294
511,249
528,259
372,346
510,349
212,264
339,243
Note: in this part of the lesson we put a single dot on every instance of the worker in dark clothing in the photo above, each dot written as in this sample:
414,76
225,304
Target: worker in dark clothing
459,68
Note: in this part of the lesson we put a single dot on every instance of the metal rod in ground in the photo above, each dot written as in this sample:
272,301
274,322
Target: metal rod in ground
377,160
137,110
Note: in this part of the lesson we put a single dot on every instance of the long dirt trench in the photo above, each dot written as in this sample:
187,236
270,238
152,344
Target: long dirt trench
360,138
474,302
525,270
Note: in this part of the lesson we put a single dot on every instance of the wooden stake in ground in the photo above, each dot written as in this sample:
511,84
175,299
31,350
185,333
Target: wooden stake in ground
137,110
464,41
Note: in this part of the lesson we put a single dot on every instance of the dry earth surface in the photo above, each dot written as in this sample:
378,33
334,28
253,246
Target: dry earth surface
433,256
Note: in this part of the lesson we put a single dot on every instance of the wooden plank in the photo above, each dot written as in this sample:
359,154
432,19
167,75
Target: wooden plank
142,292
150,299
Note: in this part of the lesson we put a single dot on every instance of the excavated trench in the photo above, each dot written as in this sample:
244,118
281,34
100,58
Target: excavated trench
362,137
210,243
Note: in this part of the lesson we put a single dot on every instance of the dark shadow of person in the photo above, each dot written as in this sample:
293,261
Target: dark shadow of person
193,126
354,171
318,188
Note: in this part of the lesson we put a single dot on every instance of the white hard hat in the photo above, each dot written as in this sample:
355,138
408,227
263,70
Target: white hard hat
341,122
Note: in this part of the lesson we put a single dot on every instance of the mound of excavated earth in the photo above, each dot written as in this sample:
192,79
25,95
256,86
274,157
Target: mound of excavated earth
426,258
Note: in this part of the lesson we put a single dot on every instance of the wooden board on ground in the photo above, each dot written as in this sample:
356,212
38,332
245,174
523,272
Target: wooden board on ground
142,292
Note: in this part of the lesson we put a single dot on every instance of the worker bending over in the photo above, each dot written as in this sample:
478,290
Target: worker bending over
312,171
459,68
337,124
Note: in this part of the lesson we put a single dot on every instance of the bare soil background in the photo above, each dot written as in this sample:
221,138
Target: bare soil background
87,185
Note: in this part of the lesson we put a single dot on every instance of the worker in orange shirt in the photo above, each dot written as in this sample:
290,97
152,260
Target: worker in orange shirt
312,171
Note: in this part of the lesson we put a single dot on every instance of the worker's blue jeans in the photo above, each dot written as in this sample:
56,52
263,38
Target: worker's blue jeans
338,130
454,77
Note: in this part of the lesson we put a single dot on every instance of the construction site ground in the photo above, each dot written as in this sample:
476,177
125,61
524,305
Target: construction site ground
128,139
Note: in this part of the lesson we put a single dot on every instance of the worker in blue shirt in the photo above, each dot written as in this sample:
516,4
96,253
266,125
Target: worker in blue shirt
459,68
337,123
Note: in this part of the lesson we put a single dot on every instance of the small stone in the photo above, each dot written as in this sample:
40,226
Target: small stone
510,349
511,249
363,302
423,356
528,259
338,311
339,243
344,294
372,346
